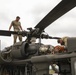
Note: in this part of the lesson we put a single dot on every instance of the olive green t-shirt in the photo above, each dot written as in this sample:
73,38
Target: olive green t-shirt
16,25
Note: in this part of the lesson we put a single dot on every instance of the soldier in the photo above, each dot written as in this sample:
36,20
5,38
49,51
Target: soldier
63,41
17,27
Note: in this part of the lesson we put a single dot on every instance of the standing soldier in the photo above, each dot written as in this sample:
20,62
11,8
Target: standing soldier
17,27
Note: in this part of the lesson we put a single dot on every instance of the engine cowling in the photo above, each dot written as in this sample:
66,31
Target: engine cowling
23,50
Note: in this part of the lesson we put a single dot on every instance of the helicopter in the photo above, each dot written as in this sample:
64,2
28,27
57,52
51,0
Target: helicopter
28,58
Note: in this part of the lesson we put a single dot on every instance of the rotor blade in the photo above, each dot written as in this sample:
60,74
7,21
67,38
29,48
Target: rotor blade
7,33
54,37
63,7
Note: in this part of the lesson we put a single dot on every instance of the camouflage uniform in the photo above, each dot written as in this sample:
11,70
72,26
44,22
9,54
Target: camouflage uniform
16,26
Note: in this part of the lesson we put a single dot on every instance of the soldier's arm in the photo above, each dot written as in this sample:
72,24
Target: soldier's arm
20,27
10,26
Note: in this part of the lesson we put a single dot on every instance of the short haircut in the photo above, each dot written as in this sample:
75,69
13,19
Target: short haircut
17,17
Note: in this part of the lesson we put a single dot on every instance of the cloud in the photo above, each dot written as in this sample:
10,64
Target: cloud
64,26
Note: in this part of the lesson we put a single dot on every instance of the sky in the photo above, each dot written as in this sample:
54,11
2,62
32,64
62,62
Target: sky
31,12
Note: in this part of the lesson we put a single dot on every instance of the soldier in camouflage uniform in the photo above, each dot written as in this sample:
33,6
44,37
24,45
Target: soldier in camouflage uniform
17,27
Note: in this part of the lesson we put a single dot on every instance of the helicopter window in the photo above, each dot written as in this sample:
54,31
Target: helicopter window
75,67
52,69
